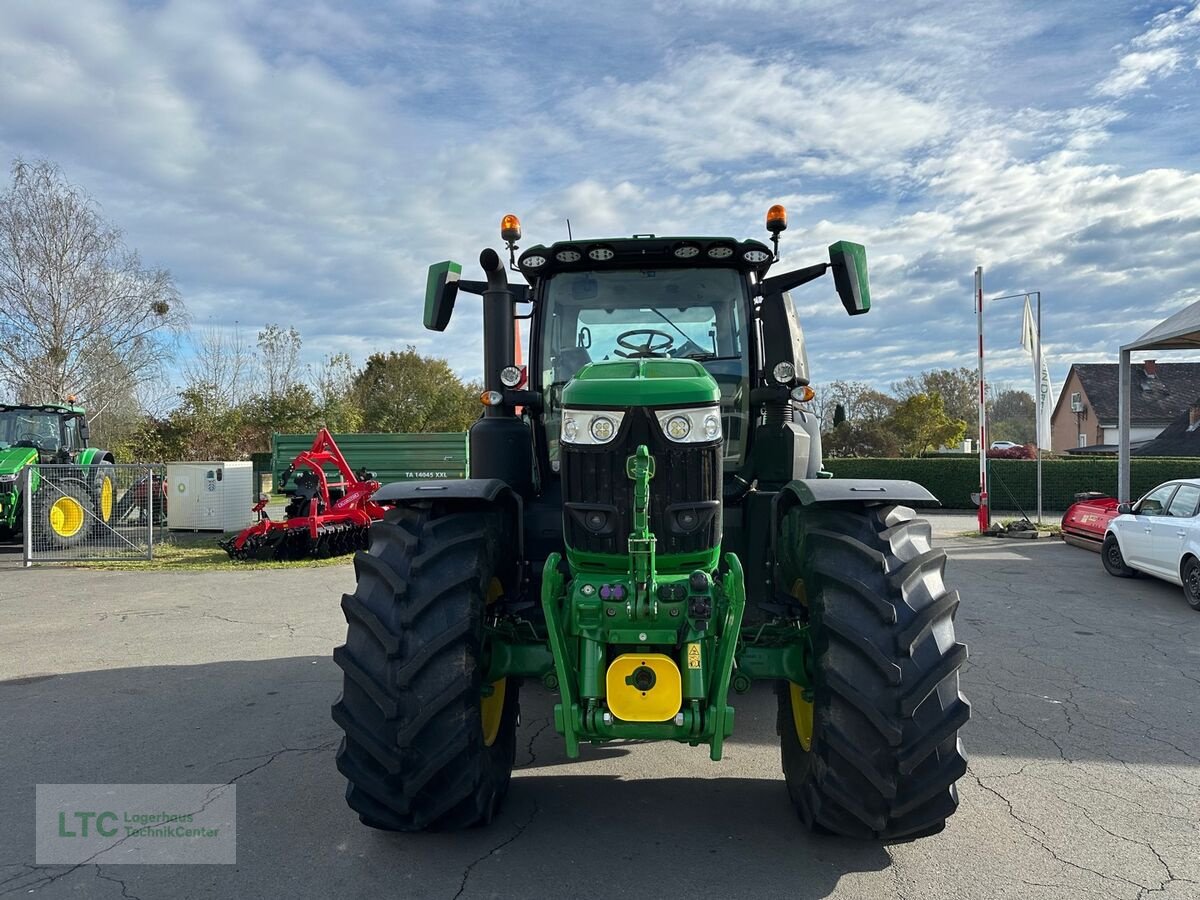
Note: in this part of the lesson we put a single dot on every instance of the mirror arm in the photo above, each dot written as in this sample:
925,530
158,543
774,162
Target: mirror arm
777,284
521,292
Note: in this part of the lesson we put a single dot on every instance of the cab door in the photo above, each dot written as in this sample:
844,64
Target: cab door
1170,531
1137,537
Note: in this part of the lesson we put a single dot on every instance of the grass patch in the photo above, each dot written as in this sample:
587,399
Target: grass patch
198,553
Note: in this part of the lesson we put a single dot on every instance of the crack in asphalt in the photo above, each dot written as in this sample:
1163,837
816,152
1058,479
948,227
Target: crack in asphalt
286,624
50,878
466,875
529,746
1042,842
124,888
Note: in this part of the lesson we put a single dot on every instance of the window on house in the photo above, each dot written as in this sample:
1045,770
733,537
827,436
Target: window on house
1083,440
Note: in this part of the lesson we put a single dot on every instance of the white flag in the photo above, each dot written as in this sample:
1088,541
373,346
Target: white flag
1029,340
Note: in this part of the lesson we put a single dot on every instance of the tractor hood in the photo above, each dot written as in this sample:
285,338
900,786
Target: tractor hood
641,382
14,459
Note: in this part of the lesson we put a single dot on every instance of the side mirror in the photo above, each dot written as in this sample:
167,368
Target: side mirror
441,289
84,431
849,263
1123,508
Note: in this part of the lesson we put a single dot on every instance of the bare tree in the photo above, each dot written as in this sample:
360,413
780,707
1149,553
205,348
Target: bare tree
74,299
221,369
279,352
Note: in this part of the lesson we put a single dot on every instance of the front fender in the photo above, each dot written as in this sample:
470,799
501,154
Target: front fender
464,491
809,491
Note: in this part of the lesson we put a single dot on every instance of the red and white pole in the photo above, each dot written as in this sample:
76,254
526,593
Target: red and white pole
985,513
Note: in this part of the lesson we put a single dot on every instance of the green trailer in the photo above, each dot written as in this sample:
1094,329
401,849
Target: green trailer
646,531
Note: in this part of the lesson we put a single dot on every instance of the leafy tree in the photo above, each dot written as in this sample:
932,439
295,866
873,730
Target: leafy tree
407,392
74,299
1012,417
958,388
862,429
920,423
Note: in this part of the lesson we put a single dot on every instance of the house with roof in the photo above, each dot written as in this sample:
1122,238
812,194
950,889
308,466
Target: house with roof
1085,418
1180,438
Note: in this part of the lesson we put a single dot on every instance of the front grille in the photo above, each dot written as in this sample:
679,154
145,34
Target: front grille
686,483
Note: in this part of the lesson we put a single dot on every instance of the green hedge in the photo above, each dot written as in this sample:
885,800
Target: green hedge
1013,482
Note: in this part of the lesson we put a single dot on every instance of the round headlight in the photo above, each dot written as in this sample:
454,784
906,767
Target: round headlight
570,429
720,252
678,427
687,251
756,256
510,376
712,427
567,256
533,262
600,254
602,428
784,372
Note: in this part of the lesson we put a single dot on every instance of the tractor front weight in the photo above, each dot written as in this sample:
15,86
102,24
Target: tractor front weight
643,654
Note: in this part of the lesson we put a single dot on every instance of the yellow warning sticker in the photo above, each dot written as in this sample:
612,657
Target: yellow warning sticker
693,656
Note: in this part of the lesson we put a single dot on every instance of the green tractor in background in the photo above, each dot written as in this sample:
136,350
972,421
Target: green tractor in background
646,530
81,499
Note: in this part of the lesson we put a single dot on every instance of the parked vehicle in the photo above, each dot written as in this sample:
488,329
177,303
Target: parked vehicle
646,530
53,434
1004,445
1085,522
1160,536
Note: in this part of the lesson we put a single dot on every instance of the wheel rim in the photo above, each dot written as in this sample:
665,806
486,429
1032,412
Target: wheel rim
802,708
106,499
1192,582
491,706
1114,556
66,517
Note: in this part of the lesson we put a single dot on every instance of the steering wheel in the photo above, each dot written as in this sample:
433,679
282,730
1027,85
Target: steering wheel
647,349
32,437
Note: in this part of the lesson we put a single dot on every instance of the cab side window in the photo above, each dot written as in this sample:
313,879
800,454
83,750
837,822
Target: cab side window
1183,504
1155,503
71,433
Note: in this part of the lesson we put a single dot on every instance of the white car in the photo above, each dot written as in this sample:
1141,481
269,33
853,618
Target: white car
1159,535
1004,445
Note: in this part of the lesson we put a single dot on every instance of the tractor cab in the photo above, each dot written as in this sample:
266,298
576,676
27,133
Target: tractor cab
57,432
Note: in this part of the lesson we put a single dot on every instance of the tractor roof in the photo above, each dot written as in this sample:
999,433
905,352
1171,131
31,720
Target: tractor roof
646,250
62,408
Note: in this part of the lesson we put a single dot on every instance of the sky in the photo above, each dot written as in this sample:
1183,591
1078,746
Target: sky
304,162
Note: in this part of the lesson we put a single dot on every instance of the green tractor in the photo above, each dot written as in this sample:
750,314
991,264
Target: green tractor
647,530
77,501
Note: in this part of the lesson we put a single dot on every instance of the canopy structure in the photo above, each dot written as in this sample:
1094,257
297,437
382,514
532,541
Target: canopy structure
1180,331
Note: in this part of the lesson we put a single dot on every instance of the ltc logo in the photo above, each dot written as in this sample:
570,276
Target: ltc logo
85,820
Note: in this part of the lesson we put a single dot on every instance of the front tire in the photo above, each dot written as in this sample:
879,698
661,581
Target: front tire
1114,562
427,746
872,750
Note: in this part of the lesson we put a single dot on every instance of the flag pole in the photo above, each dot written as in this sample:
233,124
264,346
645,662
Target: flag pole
1039,400
985,516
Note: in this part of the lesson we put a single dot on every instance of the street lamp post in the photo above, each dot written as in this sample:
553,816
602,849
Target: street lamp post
1037,397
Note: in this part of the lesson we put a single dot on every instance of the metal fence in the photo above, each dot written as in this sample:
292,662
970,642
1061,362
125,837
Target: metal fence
75,513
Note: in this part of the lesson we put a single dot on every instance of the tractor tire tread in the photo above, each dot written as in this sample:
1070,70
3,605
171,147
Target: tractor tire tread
413,752
885,754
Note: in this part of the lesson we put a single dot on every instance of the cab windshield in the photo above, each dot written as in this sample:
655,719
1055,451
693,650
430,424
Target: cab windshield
29,428
659,313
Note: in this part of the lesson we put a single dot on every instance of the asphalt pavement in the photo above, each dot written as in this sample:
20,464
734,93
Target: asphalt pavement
1084,745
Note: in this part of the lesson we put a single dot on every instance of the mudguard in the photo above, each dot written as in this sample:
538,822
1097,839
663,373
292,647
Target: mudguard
467,490
818,491
807,491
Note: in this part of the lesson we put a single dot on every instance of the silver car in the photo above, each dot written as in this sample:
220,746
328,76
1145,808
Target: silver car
1160,536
